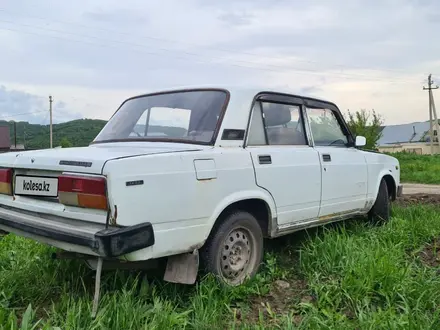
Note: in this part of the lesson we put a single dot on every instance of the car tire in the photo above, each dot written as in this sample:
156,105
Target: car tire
234,251
381,210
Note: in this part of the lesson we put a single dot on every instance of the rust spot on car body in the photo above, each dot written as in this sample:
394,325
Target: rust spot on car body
336,215
114,217
206,180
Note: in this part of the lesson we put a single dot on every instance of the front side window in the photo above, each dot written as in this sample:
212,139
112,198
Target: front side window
281,124
326,129
182,115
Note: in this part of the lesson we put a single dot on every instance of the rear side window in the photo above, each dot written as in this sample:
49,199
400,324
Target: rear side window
276,124
256,130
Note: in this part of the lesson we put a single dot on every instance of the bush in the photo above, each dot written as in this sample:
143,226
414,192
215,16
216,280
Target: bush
65,143
368,124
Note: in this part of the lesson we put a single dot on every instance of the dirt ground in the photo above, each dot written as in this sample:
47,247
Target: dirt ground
281,299
418,199
430,255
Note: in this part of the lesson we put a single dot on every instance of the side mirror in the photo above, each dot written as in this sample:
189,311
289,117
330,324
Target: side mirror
360,141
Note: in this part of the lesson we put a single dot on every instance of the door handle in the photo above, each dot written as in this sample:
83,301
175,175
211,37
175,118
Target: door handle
326,158
265,159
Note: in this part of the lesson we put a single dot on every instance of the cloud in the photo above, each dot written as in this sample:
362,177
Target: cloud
238,19
18,105
115,16
92,55
22,106
311,90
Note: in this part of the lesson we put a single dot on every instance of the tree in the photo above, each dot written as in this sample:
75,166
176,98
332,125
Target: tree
65,143
368,124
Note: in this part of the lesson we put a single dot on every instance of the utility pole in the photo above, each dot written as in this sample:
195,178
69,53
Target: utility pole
432,112
50,115
15,135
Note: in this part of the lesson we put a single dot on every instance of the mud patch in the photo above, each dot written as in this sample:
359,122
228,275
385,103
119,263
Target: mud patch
418,199
430,255
282,299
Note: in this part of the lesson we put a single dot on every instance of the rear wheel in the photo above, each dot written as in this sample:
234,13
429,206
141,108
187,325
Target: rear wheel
381,211
235,249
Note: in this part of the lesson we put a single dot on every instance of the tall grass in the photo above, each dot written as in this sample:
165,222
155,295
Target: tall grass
359,276
368,278
419,168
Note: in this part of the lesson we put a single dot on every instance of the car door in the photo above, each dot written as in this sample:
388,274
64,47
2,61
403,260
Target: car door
285,164
343,167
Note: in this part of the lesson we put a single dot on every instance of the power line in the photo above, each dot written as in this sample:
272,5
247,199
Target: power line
222,60
45,117
21,114
184,42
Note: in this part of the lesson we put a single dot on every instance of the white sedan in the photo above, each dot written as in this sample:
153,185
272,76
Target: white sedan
197,174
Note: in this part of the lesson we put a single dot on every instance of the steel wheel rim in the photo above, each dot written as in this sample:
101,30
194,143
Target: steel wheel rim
237,255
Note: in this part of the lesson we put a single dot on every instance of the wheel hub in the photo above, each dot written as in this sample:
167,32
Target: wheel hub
236,254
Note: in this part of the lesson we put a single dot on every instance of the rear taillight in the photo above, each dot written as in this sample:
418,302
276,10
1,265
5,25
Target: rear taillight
88,192
6,181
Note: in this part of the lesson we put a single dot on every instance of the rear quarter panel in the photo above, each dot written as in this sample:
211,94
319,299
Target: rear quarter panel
181,205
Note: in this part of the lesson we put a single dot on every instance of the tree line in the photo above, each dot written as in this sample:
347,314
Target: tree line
79,133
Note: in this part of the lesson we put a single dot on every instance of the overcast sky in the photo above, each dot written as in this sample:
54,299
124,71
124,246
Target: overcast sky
91,55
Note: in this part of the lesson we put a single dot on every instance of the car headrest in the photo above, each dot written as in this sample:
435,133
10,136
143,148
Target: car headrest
276,114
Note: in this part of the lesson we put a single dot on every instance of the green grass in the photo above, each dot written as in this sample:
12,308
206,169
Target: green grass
355,276
419,168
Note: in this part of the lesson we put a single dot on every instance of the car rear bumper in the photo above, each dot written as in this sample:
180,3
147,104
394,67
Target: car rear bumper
78,236
399,190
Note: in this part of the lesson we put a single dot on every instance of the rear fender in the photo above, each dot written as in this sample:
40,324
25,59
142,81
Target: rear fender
245,195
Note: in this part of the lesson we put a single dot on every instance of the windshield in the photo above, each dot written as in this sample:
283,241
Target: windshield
183,115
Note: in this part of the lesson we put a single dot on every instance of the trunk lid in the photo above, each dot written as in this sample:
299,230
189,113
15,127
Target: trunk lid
45,166
89,159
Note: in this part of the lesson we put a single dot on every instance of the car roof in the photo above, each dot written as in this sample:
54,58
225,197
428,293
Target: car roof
243,91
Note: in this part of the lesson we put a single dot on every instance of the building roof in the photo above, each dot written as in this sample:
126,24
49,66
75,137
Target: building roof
4,137
413,132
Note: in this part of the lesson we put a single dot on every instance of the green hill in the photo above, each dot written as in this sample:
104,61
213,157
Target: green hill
79,132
